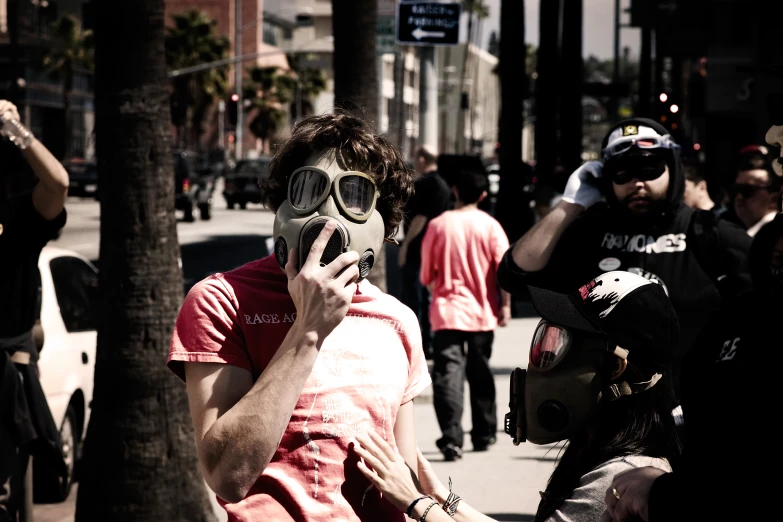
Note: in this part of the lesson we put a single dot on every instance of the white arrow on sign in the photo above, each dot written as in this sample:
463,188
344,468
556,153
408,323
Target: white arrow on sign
420,33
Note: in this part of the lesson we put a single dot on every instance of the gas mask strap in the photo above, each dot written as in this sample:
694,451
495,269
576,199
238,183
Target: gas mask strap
621,389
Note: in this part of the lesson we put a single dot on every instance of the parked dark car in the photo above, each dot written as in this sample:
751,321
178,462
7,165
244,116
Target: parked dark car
218,162
83,178
242,182
193,185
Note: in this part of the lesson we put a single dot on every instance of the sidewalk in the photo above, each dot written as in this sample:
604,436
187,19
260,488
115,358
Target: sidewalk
503,482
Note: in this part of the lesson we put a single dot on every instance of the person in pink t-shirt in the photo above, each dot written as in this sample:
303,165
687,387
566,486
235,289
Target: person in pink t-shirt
287,359
460,255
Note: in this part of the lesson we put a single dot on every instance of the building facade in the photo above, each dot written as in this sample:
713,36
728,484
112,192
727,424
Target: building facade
256,35
26,36
469,110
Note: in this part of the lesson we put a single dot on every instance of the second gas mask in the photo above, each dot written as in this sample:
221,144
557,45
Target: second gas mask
562,386
321,192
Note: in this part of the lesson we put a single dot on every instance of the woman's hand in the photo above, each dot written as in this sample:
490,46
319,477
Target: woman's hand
430,484
387,471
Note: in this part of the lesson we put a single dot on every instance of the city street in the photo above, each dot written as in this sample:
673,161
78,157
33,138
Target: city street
503,482
230,239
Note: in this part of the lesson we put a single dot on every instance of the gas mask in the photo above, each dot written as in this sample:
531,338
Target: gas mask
562,387
321,192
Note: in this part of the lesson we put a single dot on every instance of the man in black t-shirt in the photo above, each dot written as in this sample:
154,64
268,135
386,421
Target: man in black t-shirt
27,222
431,197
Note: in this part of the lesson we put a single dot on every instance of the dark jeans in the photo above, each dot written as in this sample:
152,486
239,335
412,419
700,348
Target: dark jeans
416,297
448,383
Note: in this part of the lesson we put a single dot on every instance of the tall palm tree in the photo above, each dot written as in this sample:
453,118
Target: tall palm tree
356,74
268,91
139,460
71,50
193,41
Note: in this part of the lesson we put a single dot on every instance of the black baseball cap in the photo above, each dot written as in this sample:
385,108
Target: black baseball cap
633,312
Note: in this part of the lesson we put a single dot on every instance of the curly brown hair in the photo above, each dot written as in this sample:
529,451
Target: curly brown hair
359,147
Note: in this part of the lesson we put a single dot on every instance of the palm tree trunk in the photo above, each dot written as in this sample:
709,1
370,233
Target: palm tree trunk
572,78
67,88
513,214
547,91
139,459
356,75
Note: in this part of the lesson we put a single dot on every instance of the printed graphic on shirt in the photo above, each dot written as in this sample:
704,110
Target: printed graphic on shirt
729,350
269,318
668,243
650,276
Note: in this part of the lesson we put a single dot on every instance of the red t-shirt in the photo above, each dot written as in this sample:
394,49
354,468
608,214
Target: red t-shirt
367,367
460,255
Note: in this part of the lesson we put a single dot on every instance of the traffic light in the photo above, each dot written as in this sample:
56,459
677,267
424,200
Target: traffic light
231,109
662,114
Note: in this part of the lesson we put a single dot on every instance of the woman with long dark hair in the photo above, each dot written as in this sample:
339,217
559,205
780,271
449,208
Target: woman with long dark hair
595,378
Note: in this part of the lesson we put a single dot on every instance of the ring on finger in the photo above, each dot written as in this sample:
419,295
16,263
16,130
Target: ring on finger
615,493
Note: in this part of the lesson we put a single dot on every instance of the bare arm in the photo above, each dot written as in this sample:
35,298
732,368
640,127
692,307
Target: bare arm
417,227
239,423
50,193
418,224
533,251
396,480
427,270
505,299
405,435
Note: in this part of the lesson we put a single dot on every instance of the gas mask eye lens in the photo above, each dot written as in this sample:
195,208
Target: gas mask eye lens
357,194
550,344
306,189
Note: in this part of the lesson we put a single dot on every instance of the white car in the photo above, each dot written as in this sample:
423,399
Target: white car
68,296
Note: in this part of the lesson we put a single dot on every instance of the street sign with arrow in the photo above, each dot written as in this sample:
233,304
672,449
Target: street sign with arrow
428,23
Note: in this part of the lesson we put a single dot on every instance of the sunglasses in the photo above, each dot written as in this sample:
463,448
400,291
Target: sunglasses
746,190
642,168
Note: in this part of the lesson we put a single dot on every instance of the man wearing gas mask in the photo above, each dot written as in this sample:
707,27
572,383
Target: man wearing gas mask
730,381
288,358
29,219
595,377
635,221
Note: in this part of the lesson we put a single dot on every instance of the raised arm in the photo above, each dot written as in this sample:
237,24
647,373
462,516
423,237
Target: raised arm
50,193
